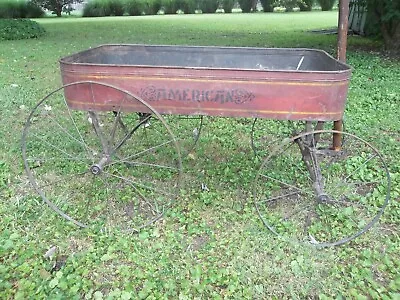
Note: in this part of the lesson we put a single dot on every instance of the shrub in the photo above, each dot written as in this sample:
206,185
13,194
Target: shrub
289,5
228,5
18,29
326,4
208,6
169,6
116,7
151,7
20,9
57,6
187,6
134,7
34,10
306,5
268,5
246,5
93,8
102,8
12,9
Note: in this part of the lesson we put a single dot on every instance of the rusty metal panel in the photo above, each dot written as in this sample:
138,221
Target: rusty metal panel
295,84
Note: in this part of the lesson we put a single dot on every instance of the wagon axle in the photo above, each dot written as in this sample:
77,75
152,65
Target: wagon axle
96,169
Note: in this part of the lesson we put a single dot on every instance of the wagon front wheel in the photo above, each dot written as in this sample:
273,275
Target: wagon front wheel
308,192
101,168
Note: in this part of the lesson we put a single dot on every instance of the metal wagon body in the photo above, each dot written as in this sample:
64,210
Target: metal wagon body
287,84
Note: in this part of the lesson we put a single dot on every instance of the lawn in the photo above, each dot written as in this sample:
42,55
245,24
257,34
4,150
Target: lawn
211,243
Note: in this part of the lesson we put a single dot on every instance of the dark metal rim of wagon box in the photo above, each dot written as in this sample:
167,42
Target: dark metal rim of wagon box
76,58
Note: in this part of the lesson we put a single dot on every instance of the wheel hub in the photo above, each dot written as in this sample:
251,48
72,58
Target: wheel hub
323,198
96,169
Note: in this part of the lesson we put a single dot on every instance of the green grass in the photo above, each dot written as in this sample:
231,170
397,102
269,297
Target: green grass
210,244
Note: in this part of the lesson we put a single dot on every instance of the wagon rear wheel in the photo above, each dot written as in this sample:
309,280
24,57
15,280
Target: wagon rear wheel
318,195
95,170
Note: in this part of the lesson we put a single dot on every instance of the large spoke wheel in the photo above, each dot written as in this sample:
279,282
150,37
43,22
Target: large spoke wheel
307,192
101,168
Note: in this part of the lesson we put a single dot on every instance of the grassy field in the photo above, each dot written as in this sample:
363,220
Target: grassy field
210,244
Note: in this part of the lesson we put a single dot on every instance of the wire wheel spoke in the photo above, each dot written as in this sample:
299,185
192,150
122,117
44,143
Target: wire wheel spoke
136,188
188,131
144,152
101,167
346,195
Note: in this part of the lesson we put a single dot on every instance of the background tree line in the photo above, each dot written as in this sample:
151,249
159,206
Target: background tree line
383,15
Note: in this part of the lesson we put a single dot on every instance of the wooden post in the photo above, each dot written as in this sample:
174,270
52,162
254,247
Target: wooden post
343,25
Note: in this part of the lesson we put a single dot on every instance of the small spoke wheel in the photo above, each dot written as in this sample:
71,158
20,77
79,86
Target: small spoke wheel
101,166
307,192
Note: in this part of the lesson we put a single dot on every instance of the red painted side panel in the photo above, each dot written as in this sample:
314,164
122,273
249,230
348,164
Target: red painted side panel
286,95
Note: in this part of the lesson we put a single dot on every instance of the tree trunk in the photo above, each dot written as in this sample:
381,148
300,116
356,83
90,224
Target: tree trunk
58,10
391,37
254,5
389,24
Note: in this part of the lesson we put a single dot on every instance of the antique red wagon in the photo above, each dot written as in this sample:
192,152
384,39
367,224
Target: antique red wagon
111,158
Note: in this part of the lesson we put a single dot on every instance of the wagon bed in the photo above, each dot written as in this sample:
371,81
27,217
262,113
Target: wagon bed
276,83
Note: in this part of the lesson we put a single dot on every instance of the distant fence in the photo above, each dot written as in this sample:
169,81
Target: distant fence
357,16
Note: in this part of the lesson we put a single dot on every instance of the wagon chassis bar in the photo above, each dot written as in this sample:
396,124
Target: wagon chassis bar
97,168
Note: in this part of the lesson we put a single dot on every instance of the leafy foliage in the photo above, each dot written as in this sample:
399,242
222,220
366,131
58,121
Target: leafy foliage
268,5
95,8
288,4
187,6
116,8
305,5
18,29
387,15
20,9
326,4
102,8
208,6
132,7
151,7
56,6
169,6
246,5
228,5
